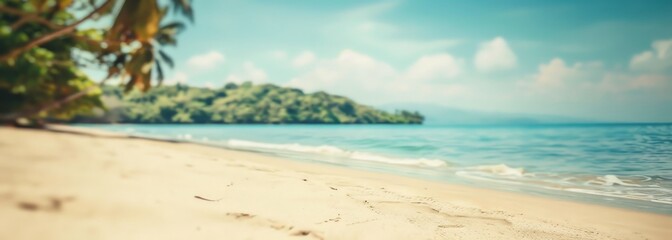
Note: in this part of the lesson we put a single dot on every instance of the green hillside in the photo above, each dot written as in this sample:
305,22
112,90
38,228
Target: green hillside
244,103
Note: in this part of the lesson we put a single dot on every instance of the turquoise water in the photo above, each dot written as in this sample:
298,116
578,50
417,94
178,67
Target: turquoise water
627,165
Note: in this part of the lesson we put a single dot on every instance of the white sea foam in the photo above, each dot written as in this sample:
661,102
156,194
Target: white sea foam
502,169
621,194
500,173
481,177
611,180
498,169
607,185
420,162
294,147
338,152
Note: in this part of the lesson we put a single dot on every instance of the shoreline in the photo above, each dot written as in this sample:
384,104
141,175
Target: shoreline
262,197
492,184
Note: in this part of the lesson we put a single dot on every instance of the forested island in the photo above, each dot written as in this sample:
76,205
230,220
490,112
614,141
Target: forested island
239,103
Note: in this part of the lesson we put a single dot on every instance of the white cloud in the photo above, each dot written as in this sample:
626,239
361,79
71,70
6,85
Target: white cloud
588,90
349,69
583,89
657,59
663,48
555,73
435,67
495,55
303,59
623,82
366,79
206,61
249,72
556,76
178,77
649,81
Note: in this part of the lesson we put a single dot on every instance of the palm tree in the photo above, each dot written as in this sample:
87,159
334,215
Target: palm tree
149,58
137,23
166,37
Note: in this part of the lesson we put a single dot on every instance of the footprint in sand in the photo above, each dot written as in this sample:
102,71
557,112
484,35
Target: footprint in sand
52,204
253,219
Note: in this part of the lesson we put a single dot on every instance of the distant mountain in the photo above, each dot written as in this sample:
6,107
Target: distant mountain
442,115
244,103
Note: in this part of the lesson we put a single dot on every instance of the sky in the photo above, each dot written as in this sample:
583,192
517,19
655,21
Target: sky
595,60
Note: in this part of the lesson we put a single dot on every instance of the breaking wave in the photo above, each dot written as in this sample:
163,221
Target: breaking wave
336,152
627,187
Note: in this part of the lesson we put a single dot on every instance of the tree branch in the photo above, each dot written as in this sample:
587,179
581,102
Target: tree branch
50,36
53,105
26,17
59,103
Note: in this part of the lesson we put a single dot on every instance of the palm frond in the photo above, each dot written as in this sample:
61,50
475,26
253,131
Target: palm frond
159,72
164,57
136,20
184,7
140,68
168,32
176,26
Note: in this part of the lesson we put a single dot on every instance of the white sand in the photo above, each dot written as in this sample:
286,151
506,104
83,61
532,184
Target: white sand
68,186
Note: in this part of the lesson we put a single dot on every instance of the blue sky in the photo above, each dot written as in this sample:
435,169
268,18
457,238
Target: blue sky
601,60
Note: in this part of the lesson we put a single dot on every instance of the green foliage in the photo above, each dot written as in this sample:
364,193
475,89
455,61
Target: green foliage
245,103
42,74
43,47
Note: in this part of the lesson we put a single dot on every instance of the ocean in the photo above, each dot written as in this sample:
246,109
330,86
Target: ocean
621,165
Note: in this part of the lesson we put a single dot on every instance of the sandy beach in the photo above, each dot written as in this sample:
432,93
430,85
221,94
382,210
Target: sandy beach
106,186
